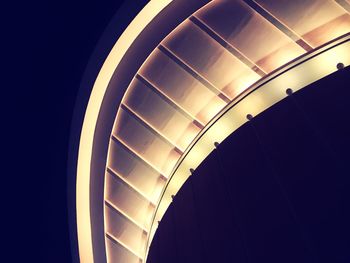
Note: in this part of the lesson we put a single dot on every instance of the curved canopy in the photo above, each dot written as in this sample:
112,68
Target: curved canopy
198,69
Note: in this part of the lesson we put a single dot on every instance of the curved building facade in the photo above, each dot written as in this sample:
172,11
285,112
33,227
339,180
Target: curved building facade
183,77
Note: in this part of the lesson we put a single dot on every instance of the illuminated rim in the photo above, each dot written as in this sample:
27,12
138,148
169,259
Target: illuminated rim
91,115
259,97
263,94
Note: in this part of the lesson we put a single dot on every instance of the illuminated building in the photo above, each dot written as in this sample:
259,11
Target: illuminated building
184,76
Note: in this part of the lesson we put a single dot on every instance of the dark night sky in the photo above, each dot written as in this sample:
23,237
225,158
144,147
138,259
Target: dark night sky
54,41
71,32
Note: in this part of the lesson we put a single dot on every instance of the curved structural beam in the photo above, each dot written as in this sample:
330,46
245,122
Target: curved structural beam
87,134
262,95
173,85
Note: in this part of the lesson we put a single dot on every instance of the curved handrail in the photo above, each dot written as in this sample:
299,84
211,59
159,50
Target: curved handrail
320,62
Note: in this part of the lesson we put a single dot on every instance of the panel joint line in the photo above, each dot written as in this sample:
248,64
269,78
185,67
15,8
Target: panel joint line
172,103
278,24
194,74
344,4
205,28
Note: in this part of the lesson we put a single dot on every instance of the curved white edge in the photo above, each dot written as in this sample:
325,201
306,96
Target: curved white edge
265,93
145,16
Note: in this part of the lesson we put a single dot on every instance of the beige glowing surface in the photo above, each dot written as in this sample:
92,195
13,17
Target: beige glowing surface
186,96
86,139
264,94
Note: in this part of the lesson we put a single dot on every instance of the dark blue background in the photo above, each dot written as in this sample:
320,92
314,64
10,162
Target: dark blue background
47,46
50,45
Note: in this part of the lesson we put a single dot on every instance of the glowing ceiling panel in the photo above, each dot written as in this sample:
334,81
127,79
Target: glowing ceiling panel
315,21
186,81
196,71
250,33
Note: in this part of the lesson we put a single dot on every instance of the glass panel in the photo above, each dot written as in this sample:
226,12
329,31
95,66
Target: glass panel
250,33
181,87
128,200
210,59
161,115
145,142
117,253
124,230
135,171
316,21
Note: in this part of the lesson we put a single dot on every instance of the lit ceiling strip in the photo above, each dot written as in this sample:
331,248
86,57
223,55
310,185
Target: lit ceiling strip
129,184
272,19
145,16
344,4
114,239
114,207
198,149
161,71
203,26
264,94
138,155
169,100
151,127
195,74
